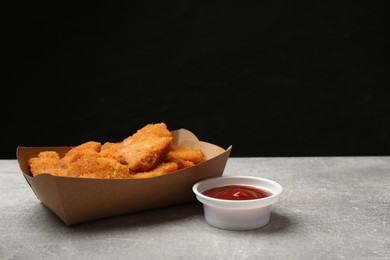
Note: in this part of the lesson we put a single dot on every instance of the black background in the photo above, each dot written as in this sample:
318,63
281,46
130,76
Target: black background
271,78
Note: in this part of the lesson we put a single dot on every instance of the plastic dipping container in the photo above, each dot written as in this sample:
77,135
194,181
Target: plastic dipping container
237,214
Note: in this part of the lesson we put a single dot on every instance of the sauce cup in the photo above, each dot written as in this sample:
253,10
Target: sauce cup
237,214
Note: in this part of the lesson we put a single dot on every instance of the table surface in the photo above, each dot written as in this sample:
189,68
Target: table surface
330,208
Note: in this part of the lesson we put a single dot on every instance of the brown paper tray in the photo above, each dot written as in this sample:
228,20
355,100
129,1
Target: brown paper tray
75,200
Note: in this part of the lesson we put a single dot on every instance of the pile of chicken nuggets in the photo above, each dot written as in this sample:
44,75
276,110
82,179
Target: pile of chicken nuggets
147,153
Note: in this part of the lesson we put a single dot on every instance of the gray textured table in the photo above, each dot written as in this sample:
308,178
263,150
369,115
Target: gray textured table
331,208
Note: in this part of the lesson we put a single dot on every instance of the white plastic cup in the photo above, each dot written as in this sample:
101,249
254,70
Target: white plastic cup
237,214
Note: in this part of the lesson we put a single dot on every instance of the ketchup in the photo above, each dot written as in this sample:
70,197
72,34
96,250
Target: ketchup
237,192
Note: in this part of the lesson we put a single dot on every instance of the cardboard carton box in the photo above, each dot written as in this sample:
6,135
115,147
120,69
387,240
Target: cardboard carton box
76,200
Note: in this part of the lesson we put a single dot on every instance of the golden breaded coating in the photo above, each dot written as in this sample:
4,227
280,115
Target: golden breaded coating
46,162
159,130
74,153
185,156
91,145
161,169
111,149
90,164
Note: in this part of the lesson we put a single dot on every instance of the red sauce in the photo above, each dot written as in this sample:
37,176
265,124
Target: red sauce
237,192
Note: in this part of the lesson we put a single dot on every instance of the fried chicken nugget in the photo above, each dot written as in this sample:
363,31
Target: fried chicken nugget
143,150
74,153
90,164
185,156
46,162
161,169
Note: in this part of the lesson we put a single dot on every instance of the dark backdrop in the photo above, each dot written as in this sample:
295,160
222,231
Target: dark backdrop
271,78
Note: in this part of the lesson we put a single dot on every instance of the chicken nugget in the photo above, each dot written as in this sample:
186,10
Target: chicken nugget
46,162
143,150
74,153
90,164
185,156
161,169
91,145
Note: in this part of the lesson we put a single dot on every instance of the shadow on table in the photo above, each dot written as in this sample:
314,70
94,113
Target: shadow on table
277,223
148,219
134,220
